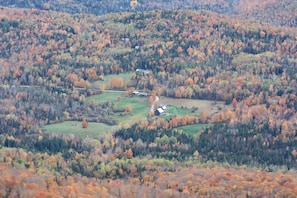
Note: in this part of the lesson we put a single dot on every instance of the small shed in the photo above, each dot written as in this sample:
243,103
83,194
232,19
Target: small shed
159,111
136,92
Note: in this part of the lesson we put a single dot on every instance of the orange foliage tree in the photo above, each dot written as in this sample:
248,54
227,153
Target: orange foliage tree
128,108
117,83
84,123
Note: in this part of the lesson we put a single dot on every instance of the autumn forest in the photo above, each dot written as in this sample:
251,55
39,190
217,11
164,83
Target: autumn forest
100,70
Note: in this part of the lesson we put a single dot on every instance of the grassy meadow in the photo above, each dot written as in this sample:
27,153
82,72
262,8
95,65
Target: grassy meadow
173,110
209,105
75,127
139,109
139,105
193,129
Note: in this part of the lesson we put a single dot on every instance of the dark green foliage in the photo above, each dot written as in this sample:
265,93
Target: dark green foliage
242,144
163,141
6,24
10,143
54,145
49,145
245,144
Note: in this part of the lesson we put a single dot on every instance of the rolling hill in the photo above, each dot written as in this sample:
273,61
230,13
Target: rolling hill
58,57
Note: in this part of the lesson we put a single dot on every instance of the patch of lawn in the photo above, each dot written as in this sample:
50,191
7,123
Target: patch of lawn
139,105
173,110
75,127
208,105
106,96
193,129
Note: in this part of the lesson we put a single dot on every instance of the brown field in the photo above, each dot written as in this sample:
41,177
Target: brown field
210,105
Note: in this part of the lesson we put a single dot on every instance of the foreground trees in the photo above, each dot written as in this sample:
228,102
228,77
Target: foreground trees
193,180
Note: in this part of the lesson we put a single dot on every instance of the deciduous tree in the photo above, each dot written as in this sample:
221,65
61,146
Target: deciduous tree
84,123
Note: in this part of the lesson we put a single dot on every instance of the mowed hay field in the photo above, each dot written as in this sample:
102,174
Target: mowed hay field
75,127
209,105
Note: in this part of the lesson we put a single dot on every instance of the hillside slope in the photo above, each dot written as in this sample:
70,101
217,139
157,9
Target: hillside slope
49,62
192,54
281,13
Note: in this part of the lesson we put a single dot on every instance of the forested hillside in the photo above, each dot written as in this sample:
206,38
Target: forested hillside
193,54
195,180
54,67
281,13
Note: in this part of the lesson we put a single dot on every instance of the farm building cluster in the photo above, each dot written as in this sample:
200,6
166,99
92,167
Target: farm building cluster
138,93
160,110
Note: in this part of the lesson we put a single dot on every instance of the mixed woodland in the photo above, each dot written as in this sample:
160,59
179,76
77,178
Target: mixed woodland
53,54
281,13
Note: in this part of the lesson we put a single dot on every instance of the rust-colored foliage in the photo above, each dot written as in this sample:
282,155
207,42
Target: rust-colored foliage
117,82
84,123
234,103
128,108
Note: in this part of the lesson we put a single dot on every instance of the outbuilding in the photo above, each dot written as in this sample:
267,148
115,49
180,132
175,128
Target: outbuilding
159,111
163,106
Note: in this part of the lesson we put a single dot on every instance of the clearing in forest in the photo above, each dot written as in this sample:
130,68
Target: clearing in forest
194,128
125,76
209,105
75,127
127,109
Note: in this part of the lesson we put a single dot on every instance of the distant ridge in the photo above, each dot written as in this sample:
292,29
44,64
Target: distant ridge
279,13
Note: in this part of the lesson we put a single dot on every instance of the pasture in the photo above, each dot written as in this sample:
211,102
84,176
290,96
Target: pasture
209,105
139,105
173,110
193,129
139,108
75,127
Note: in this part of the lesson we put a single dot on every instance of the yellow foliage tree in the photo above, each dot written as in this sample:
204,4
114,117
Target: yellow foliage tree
203,116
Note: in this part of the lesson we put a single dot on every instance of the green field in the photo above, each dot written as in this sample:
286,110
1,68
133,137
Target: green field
140,106
125,76
75,127
173,110
209,105
140,109
179,111
193,129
